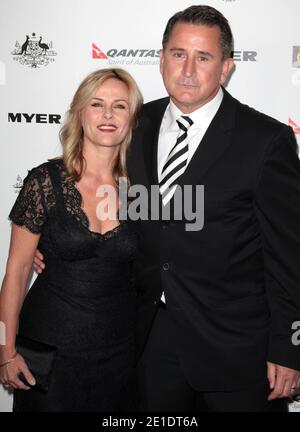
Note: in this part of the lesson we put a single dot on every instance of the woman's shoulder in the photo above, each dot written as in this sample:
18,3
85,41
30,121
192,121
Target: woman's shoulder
58,161
43,169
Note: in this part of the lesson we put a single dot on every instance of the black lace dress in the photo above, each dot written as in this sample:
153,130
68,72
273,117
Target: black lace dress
84,301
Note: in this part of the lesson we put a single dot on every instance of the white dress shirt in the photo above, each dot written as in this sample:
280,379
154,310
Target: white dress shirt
169,131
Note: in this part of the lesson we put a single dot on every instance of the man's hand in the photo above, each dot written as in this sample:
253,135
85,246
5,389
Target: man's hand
38,263
283,381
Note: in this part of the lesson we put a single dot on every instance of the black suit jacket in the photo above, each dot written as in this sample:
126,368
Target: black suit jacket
233,288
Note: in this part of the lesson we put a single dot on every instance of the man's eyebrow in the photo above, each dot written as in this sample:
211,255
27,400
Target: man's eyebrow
204,53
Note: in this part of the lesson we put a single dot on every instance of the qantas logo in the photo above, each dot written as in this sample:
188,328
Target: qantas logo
97,53
295,127
127,56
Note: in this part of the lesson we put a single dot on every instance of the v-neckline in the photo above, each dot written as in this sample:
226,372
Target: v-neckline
85,216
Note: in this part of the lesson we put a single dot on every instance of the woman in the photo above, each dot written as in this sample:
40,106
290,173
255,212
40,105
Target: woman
84,302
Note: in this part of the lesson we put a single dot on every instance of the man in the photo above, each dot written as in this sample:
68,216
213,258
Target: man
232,289
216,306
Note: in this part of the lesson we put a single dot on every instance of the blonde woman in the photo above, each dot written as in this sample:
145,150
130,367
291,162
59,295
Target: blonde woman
84,301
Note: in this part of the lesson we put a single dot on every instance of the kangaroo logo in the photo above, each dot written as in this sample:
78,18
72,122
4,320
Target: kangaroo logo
33,52
98,53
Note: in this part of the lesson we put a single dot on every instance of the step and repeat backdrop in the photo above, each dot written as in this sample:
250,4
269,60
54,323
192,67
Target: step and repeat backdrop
48,47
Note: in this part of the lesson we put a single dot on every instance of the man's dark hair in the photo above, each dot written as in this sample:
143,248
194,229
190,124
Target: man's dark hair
203,15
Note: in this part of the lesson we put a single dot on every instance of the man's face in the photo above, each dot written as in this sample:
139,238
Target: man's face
191,65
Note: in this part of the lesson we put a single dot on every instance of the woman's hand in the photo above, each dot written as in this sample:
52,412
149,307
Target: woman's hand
9,374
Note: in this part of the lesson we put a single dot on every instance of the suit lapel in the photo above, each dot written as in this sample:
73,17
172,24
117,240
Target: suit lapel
215,141
151,126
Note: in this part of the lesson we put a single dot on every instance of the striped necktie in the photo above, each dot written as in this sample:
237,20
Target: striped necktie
176,162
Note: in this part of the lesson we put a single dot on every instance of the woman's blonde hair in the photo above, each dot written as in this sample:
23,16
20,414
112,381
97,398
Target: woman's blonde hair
71,134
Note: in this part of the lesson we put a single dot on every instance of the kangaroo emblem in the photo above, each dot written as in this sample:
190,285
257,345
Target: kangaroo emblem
24,46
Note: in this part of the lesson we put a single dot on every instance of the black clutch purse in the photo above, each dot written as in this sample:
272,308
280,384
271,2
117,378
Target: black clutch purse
39,358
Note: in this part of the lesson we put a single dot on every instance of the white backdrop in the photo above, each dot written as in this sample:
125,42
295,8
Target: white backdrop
37,86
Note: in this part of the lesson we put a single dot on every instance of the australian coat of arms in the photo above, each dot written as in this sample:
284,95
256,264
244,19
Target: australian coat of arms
18,185
33,52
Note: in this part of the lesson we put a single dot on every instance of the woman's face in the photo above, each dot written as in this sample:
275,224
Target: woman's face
106,119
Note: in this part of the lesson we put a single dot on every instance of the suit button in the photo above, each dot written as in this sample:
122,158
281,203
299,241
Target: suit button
155,302
166,266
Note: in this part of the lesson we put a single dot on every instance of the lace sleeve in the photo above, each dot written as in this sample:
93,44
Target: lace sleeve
29,210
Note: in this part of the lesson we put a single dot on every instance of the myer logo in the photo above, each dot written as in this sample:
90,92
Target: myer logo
34,118
137,56
244,56
296,56
34,52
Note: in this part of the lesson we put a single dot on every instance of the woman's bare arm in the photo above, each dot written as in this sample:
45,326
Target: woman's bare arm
19,264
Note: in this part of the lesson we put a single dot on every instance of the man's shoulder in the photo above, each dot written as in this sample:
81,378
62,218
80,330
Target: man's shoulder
154,105
247,116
